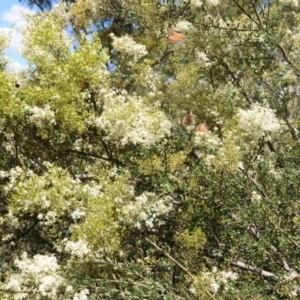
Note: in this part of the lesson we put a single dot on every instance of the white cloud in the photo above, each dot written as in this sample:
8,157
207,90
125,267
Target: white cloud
15,15
14,65
15,42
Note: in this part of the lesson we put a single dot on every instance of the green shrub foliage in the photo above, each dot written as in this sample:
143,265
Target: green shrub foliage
150,150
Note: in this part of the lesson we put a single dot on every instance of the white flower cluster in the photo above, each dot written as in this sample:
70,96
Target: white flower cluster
184,26
255,197
49,218
207,145
79,248
15,175
50,201
202,59
147,209
148,79
82,295
293,286
40,116
215,279
39,277
126,44
207,140
77,214
127,119
258,121
39,274
212,2
38,47
4,43
294,3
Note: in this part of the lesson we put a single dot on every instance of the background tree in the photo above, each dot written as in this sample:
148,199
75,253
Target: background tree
41,4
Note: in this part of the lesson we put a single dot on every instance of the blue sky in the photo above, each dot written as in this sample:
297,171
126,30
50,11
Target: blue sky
11,19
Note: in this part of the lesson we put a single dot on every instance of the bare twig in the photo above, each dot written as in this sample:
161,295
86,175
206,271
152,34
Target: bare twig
261,272
246,13
285,234
158,61
259,187
291,129
255,11
295,102
179,265
173,259
286,58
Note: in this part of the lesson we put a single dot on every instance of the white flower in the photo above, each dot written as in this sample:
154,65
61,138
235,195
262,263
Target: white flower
184,26
39,272
292,2
81,295
216,278
4,174
49,284
207,140
40,116
14,283
127,119
77,214
193,290
79,248
50,217
214,286
126,44
258,121
231,275
255,197
212,2
202,59
69,289
147,209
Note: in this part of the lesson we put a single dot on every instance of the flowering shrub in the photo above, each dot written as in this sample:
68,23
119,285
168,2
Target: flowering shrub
138,162
38,275
147,210
258,121
127,120
126,45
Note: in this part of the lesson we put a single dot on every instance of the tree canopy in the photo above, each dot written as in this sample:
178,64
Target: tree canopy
151,151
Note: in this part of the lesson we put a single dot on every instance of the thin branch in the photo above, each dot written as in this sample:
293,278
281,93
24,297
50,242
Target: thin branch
169,256
107,281
286,57
179,265
116,161
295,102
261,272
287,118
285,234
277,95
229,29
259,187
291,129
158,61
244,12
15,292
236,80
255,11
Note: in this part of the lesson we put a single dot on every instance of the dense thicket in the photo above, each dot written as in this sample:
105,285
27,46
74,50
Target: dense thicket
150,151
